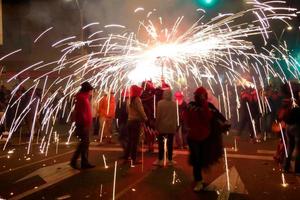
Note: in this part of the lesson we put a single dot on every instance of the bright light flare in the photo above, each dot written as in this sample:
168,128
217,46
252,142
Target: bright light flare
144,71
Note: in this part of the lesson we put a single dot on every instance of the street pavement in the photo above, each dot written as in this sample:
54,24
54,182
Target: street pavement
252,174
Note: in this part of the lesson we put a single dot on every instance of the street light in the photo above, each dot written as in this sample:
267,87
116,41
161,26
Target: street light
206,3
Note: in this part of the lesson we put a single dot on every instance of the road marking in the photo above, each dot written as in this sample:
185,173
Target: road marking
231,149
117,149
30,164
250,157
236,183
220,185
243,156
51,174
266,151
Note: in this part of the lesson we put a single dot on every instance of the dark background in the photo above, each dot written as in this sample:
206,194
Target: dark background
24,20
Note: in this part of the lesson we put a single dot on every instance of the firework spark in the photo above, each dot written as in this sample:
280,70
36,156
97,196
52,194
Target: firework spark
215,52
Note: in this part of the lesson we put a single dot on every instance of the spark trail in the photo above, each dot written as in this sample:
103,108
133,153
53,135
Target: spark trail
210,52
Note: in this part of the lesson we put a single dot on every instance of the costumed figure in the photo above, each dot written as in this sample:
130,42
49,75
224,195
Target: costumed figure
148,97
122,117
166,124
106,116
181,133
136,116
82,116
205,125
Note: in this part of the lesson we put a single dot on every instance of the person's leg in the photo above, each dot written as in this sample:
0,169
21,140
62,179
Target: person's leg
258,126
76,154
135,140
170,146
85,164
297,153
84,148
108,129
105,127
151,140
160,138
184,137
290,149
195,159
78,132
243,123
297,157
178,138
95,125
101,128
129,144
122,136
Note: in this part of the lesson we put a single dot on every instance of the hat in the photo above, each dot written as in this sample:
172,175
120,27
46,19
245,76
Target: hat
165,86
178,94
86,86
135,91
200,91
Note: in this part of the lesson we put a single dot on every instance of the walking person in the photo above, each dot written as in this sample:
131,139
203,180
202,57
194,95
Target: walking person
166,124
106,114
147,98
293,140
249,103
136,115
205,125
180,135
83,123
122,118
292,120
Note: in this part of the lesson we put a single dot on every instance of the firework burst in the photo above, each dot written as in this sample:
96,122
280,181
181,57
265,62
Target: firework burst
215,52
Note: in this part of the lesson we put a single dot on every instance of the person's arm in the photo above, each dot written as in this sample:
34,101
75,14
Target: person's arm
216,112
158,114
78,112
140,109
221,120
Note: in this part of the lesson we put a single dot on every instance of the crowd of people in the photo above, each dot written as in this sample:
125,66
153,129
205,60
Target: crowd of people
149,115
152,113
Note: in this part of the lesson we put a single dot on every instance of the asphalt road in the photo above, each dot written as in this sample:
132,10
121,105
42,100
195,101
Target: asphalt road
252,175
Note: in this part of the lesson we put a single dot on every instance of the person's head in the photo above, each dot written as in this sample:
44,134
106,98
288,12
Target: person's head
86,87
200,95
167,95
147,85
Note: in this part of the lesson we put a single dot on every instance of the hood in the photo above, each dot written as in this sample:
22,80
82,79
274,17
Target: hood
201,91
135,91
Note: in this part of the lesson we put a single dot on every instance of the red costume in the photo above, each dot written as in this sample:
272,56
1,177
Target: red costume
83,113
